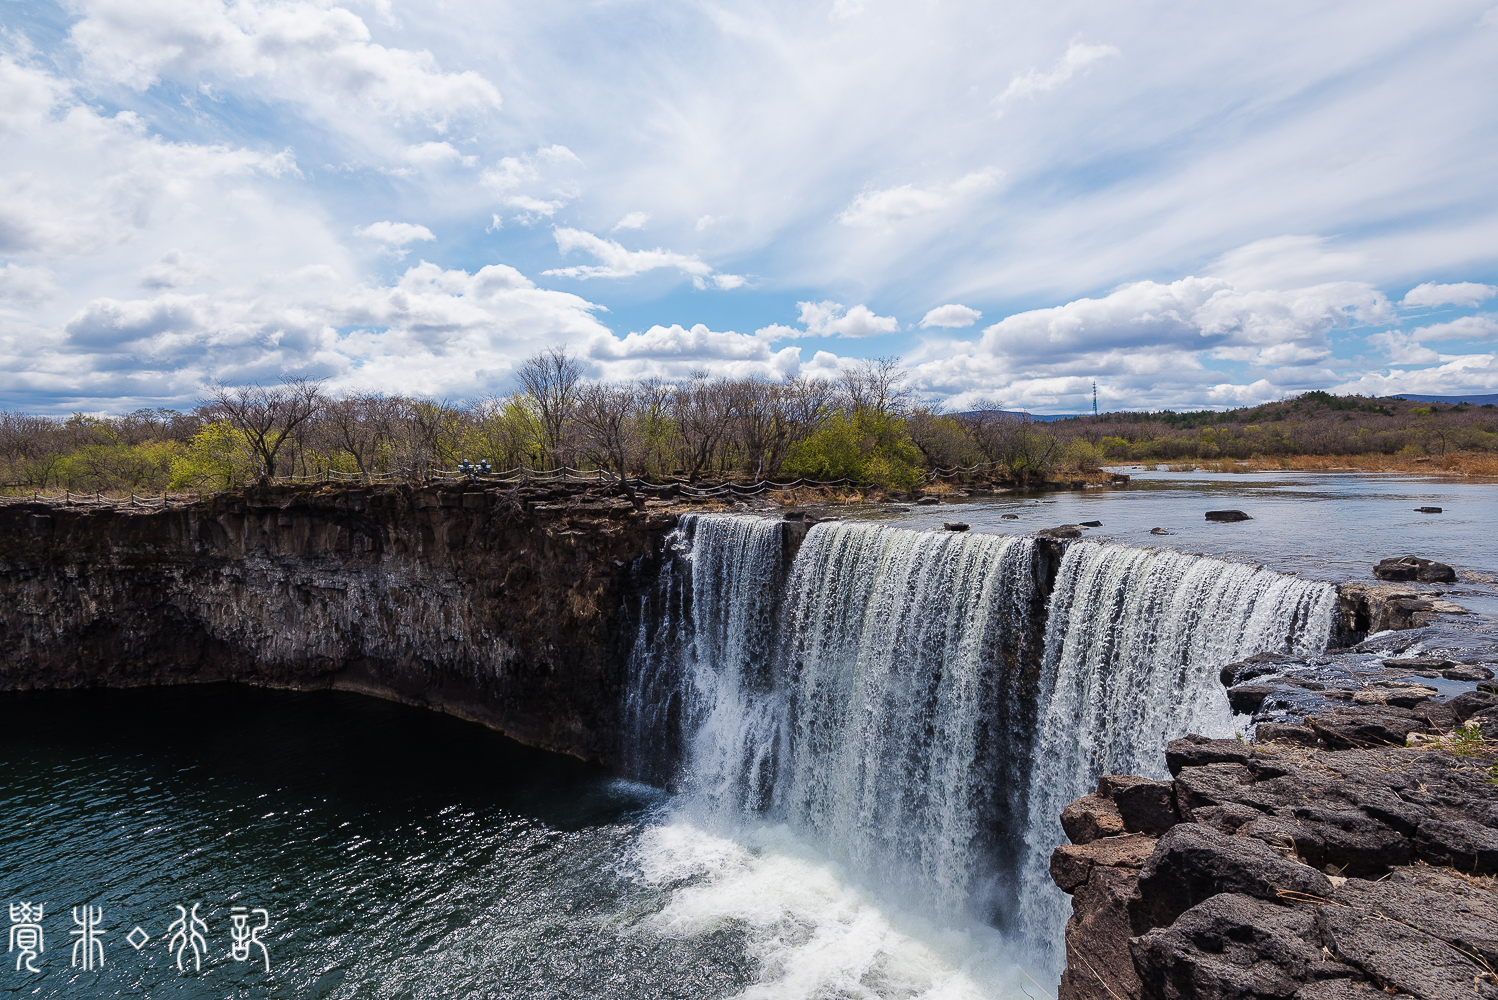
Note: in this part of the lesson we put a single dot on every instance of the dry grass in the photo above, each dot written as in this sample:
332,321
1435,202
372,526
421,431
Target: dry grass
1480,464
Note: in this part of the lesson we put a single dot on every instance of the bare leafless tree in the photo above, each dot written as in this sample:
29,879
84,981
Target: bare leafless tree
359,425
551,378
604,413
267,415
703,409
876,385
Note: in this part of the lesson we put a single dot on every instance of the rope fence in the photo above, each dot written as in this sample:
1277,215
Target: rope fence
515,476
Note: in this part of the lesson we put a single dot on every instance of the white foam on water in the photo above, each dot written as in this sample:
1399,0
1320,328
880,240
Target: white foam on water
810,929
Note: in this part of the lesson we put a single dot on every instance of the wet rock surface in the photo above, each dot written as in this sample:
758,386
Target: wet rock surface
1326,861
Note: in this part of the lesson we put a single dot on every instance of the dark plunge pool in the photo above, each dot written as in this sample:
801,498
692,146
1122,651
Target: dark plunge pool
395,852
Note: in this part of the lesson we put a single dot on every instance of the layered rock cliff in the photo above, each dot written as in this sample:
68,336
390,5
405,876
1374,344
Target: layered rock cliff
508,607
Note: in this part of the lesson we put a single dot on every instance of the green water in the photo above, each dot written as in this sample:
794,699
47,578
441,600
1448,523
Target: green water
397,852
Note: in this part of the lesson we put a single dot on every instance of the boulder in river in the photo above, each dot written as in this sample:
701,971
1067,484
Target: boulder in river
956,526
1010,517
1427,510
1467,672
1092,524
1158,531
1414,568
928,501
1227,515
1061,531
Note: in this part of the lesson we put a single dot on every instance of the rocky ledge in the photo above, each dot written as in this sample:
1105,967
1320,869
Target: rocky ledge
1322,864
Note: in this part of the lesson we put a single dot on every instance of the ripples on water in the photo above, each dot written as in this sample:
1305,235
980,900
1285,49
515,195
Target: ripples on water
400,853
403,853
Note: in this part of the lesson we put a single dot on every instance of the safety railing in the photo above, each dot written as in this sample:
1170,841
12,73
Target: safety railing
515,476
68,498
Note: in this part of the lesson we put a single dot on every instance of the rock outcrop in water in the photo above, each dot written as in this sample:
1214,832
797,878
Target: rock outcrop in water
1318,872
1414,568
499,605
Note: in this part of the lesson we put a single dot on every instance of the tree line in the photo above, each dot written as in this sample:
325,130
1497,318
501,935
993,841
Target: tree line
1313,423
866,426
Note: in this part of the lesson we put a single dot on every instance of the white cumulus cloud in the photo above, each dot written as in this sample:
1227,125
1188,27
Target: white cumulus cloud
538,184
832,319
888,205
317,55
617,262
952,315
394,234
634,220
1465,293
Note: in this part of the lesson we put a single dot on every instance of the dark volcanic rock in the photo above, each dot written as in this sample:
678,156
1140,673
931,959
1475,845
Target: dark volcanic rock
1098,962
1234,947
1365,726
1256,666
1192,863
1347,841
1072,864
1227,515
1090,818
1406,958
1230,902
1414,663
1437,902
1269,732
1147,807
1464,844
1245,699
1197,751
1414,568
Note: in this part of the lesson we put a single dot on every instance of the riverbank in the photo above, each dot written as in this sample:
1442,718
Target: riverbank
1456,464
1327,861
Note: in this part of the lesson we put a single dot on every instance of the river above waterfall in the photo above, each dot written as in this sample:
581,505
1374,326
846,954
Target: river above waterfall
1320,525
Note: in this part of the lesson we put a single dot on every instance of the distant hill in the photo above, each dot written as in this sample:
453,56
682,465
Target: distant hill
1038,417
1475,399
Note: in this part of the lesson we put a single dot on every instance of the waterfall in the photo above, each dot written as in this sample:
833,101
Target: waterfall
1134,641
909,704
882,706
892,695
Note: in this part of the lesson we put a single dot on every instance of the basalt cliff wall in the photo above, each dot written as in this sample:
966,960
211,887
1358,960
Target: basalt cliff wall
506,607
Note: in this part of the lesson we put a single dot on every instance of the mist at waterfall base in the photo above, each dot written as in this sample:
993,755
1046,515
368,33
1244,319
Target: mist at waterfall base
893,711
868,748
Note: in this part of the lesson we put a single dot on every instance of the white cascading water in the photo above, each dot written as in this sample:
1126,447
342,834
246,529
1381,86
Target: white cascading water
1135,638
891,698
867,701
900,660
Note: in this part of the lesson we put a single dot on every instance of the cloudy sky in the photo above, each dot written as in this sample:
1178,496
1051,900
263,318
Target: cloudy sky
1195,204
